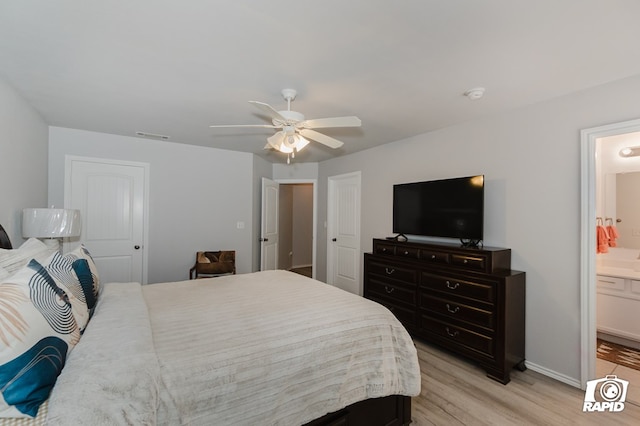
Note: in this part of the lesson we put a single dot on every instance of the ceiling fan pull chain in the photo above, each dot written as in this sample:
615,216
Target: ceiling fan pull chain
288,158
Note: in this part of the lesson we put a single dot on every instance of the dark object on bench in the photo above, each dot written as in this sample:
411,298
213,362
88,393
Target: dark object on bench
213,264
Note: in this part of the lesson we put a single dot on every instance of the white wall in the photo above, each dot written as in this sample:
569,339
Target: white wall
197,196
295,171
23,160
531,162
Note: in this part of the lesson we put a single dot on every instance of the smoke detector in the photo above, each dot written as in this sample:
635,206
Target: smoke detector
475,93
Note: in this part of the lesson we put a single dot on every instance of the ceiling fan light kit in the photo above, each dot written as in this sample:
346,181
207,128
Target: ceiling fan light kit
295,129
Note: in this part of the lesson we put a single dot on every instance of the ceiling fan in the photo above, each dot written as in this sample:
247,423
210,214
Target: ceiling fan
295,129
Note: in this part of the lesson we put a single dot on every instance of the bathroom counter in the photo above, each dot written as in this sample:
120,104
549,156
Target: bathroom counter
611,271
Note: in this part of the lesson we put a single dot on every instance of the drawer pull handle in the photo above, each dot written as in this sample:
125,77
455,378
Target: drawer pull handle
433,256
465,261
389,271
453,333
454,310
388,289
384,249
452,286
406,252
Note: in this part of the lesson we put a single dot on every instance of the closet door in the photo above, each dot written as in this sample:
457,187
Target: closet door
112,202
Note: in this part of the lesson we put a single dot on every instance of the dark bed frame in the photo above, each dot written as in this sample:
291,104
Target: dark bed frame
5,242
392,410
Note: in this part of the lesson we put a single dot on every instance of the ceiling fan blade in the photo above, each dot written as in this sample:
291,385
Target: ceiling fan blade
274,141
268,126
268,109
319,137
318,123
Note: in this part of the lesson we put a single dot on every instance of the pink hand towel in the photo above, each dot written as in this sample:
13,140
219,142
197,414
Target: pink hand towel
602,240
612,232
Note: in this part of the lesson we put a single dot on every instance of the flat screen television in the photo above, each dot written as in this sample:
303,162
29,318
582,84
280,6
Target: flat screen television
448,208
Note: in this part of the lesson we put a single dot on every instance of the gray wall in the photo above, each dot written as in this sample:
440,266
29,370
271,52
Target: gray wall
197,196
531,162
23,157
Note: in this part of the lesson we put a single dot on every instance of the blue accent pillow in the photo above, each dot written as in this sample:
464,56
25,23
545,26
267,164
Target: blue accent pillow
38,329
87,273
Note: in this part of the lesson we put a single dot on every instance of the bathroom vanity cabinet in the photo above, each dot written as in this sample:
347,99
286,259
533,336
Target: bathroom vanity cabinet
618,303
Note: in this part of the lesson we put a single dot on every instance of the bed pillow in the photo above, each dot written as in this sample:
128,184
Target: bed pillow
37,332
60,269
87,273
14,259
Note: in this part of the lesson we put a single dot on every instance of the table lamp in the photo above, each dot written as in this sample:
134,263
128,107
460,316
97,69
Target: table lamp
51,224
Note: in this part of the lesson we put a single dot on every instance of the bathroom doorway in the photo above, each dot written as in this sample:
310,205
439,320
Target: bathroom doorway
601,287
617,263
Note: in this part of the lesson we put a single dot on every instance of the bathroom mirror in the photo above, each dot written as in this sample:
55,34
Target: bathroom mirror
622,193
618,186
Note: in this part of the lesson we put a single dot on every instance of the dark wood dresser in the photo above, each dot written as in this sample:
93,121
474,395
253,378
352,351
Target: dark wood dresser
467,300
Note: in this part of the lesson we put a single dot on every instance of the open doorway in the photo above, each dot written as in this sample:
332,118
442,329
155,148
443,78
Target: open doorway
295,242
617,255
601,286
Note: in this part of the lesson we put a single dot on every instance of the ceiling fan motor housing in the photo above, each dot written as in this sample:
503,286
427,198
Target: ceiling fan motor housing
292,117
289,94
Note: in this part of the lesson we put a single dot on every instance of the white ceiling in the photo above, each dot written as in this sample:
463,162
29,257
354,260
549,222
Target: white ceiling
176,67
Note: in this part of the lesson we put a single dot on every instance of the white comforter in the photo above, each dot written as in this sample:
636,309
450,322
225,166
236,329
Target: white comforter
268,348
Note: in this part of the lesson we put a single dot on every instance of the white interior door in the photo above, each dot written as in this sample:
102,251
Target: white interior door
111,197
343,232
269,226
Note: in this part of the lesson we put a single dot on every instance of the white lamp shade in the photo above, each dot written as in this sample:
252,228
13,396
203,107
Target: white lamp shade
51,223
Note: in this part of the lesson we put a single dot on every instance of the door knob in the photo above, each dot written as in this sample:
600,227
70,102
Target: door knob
137,247
334,239
264,239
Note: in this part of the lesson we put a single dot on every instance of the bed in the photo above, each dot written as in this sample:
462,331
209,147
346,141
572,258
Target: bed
268,348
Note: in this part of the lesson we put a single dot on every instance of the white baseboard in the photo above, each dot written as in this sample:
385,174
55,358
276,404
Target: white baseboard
554,375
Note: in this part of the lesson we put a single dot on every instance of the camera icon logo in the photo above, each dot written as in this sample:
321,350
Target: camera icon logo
606,394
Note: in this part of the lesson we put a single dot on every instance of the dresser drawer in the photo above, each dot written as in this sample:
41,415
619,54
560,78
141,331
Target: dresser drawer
483,291
393,271
458,311
430,256
476,263
454,335
382,248
392,291
408,252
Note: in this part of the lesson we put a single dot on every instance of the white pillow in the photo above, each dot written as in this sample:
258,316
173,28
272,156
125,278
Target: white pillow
13,260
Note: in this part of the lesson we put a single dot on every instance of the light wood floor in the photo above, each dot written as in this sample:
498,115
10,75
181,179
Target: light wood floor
456,392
